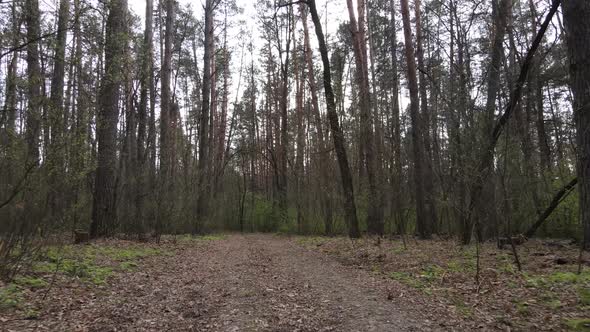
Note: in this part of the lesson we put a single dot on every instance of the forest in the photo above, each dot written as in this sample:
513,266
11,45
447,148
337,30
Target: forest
440,145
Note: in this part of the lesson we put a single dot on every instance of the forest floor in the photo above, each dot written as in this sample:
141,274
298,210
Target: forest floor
276,283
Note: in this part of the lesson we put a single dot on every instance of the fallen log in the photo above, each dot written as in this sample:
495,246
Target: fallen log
562,193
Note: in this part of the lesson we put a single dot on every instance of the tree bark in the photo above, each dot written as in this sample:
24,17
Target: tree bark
104,210
203,165
422,223
337,135
577,25
375,210
146,81
8,119
167,118
35,81
563,192
424,124
487,154
323,159
396,181
56,153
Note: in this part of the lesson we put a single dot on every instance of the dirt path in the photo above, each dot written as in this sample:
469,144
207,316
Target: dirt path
240,283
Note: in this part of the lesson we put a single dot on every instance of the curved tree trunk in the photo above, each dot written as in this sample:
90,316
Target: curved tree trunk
337,135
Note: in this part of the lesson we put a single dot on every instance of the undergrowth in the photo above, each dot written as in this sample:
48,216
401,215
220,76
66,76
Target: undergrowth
91,264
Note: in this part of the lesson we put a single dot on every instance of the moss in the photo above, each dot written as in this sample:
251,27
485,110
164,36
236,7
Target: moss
544,281
522,308
131,253
463,308
31,282
512,285
432,273
584,296
84,269
10,296
508,267
454,266
31,314
565,277
407,279
469,252
554,304
213,237
186,238
311,240
99,275
84,262
376,269
128,266
578,324
398,250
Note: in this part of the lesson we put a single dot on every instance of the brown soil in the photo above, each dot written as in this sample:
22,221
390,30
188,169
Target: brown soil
440,277
275,283
239,283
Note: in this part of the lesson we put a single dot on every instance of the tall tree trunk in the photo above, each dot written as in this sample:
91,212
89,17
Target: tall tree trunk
323,159
300,140
500,13
203,165
284,133
577,25
222,121
35,81
167,115
80,147
337,135
375,210
104,208
422,223
396,181
537,96
56,154
146,81
425,120
8,117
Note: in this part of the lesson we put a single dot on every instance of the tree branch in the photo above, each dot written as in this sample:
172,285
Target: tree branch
18,186
292,3
562,193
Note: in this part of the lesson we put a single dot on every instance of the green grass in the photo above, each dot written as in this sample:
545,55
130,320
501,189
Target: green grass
85,270
128,266
30,282
128,254
407,279
522,308
463,308
432,272
31,314
547,281
212,237
185,238
578,324
398,250
10,296
311,240
87,263
584,296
